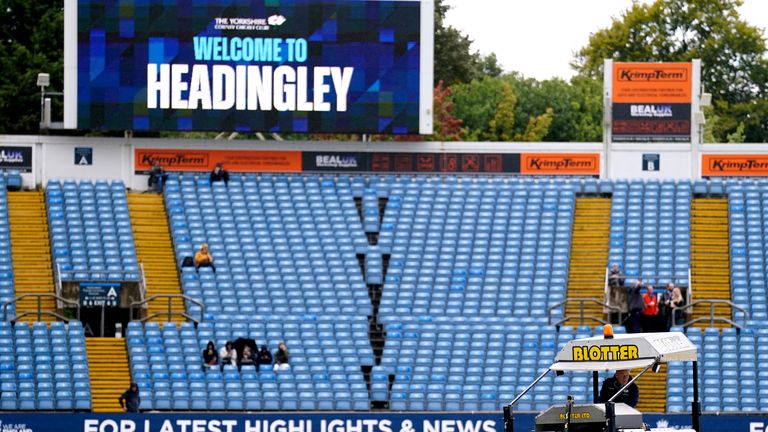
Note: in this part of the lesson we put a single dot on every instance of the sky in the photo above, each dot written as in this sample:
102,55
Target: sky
539,37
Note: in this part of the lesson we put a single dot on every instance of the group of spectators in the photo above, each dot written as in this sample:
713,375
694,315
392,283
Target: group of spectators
158,177
228,355
649,311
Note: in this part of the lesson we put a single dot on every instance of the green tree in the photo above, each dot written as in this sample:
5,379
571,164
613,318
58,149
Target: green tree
489,109
501,126
488,65
476,104
738,135
733,53
537,127
31,41
724,121
454,60
576,106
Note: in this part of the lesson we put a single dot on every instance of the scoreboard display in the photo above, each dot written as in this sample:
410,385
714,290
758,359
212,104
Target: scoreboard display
325,66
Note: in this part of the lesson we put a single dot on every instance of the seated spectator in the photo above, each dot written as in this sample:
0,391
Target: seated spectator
247,359
650,311
203,258
220,174
612,385
157,177
210,356
282,357
228,355
264,357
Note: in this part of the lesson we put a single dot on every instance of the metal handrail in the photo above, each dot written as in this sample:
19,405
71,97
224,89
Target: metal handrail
170,313
581,301
142,282
712,317
106,272
58,285
654,276
527,389
689,292
606,287
688,285
40,312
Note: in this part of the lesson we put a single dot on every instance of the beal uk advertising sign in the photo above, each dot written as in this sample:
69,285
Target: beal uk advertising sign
651,102
328,66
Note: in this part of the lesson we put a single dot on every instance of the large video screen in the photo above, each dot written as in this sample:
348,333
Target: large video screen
326,66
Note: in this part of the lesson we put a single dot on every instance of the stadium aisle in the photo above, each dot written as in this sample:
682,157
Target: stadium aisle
710,264
31,251
110,377
589,256
155,251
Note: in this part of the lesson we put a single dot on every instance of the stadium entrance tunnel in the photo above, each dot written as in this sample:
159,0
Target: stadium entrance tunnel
103,322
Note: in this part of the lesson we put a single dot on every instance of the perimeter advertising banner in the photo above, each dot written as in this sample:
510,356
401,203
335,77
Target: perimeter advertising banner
288,161
488,421
651,102
465,163
337,66
294,161
205,160
738,165
17,158
560,163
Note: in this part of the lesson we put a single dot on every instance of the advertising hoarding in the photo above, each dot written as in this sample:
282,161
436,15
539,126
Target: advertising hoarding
205,160
651,102
294,161
488,421
560,163
18,158
738,165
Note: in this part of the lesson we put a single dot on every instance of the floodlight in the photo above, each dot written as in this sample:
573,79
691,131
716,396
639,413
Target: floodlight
43,80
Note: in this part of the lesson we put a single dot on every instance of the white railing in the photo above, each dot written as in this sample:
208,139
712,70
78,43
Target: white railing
142,283
607,289
687,285
689,293
105,273
57,286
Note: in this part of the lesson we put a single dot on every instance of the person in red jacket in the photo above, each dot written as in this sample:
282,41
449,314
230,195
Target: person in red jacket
651,310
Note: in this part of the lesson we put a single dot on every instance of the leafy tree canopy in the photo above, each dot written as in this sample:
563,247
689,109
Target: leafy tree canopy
455,62
733,55
31,41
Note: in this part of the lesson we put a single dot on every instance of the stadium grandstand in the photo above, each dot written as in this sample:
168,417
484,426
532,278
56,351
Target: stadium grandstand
392,286
392,292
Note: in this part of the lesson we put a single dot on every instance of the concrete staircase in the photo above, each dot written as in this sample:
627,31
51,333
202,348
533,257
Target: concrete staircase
31,252
710,257
653,390
154,250
589,257
109,372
